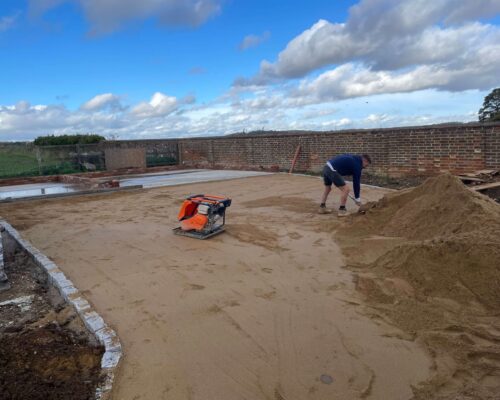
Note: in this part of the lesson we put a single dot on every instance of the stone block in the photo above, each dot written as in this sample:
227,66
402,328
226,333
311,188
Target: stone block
93,321
110,359
107,337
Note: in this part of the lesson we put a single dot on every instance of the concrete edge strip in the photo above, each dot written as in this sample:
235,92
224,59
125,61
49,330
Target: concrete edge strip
71,194
211,180
92,320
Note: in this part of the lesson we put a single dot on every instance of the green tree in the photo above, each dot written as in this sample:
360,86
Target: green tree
52,140
490,111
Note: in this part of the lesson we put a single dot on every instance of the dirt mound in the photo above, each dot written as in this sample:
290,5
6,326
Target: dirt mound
440,206
438,281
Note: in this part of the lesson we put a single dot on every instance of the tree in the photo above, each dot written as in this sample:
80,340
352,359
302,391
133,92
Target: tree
52,140
490,111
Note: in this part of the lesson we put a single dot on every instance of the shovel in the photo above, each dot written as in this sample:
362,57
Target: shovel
363,208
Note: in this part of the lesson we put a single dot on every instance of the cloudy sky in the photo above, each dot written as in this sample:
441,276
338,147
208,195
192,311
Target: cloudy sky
176,68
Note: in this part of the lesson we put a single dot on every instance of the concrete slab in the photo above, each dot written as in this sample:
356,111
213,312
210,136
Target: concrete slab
181,177
174,172
35,189
155,179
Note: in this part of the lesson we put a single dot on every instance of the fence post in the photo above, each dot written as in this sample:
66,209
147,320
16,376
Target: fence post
38,159
79,156
179,153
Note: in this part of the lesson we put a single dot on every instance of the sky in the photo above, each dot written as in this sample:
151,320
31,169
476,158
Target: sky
129,69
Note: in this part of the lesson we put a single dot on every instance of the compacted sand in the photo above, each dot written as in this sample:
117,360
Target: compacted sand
263,311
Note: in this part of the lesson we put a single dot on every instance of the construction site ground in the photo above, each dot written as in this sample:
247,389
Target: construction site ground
274,308
45,350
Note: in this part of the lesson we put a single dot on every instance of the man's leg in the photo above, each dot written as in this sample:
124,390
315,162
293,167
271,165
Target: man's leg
328,188
339,182
326,192
345,193
343,199
322,206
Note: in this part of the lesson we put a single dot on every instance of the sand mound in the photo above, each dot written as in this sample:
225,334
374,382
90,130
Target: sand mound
440,206
438,281
460,256
465,269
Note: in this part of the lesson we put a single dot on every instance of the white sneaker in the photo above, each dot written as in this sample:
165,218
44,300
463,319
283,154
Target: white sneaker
342,213
324,210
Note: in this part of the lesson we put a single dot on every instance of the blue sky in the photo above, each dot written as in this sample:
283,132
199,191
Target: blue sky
171,68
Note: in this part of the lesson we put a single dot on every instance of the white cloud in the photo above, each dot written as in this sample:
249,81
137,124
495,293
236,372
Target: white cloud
8,21
19,119
253,40
274,109
101,102
106,16
159,105
356,80
388,35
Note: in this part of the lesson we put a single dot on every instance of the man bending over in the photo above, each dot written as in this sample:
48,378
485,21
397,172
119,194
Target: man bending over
333,173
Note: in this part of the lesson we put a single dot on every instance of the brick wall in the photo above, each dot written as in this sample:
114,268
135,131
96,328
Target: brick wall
396,151
423,150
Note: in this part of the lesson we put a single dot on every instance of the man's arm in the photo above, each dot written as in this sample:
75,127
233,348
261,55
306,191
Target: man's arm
356,184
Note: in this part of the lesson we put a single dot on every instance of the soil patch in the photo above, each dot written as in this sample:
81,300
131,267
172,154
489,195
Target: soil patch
45,351
440,284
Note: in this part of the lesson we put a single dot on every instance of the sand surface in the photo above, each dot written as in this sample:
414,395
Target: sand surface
263,311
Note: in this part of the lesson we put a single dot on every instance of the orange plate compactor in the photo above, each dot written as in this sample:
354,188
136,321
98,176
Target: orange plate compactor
202,216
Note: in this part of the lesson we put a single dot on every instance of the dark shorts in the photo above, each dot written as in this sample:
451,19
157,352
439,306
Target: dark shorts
332,177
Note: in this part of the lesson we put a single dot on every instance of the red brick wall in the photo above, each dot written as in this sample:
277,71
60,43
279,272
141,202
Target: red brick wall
424,150
397,151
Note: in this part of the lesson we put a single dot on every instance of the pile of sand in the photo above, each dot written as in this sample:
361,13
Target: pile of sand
440,281
454,250
441,206
465,268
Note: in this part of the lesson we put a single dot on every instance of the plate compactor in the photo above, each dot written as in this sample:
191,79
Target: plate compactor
202,216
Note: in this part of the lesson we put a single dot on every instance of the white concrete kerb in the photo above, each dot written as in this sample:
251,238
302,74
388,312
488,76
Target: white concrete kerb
91,319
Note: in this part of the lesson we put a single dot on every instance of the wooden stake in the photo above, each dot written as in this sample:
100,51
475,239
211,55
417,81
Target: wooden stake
295,159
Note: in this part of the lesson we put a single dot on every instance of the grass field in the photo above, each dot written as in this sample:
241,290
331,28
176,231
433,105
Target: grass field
14,164
24,163
18,164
